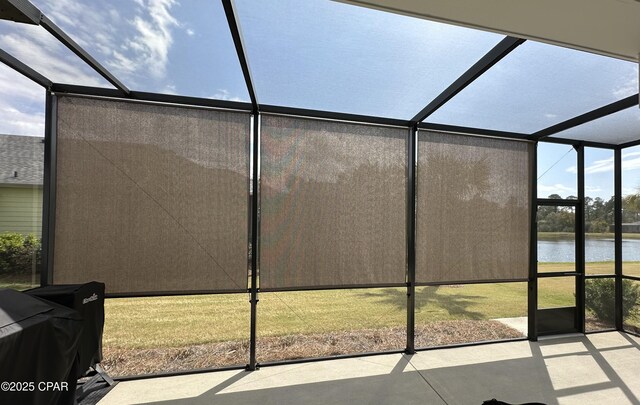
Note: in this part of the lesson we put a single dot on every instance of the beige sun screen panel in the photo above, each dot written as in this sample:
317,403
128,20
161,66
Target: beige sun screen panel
333,203
473,209
151,198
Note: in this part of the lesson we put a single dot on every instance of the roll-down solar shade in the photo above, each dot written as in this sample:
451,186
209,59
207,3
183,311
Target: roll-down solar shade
333,203
473,208
151,198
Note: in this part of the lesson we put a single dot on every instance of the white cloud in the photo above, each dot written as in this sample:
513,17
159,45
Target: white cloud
600,166
549,115
41,51
133,40
630,161
545,190
17,88
15,122
190,32
592,189
21,104
154,37
223,94
169,89
628,87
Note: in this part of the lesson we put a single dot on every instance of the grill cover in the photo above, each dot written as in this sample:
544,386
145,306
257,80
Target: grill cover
88,300
38,343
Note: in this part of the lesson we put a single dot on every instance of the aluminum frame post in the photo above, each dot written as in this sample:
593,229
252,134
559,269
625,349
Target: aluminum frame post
617,164
580,243
49,190
411,238
532,290
255,238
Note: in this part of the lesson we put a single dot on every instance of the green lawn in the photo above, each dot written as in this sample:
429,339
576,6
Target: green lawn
180,321
188,320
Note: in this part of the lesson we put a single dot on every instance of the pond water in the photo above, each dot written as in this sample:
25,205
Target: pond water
596,250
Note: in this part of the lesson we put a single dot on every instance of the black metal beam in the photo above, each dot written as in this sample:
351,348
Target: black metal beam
550,274
589,116
590,276
236,34
333,287
554,202
574,142
631,333
629,144
464,282
24,70
580,243
150,97
49,190
255,238
61,36
329,115
172,293
498,52
532,284
21,11
617,169
290,111
412,163
473,131
176,373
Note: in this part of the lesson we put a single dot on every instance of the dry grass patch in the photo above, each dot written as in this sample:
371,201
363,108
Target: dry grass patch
121,361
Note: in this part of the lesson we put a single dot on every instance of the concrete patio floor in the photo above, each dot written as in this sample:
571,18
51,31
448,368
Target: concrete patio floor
601,368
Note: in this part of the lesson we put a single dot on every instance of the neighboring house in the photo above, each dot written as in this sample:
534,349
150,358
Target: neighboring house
633,227
21,173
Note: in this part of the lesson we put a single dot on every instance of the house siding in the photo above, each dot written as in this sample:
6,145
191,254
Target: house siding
21,210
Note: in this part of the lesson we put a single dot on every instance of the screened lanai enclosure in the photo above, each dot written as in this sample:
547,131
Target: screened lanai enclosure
259,182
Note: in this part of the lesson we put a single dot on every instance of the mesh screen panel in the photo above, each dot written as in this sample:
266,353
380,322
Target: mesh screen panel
333,203
473,208
151,198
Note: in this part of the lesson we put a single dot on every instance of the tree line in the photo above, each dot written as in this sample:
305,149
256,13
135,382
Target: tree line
599,214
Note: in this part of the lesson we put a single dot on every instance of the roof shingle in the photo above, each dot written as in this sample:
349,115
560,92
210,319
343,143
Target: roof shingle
21,160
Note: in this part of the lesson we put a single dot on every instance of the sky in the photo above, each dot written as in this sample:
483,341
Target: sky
326,55
557,171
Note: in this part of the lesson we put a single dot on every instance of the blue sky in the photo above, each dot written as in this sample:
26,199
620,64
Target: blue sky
323,55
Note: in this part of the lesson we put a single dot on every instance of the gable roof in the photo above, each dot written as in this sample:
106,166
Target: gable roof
24,156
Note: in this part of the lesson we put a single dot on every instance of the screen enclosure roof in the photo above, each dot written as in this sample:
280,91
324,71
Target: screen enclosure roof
335,60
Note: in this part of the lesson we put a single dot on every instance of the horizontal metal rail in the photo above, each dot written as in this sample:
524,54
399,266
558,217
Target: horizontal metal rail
549,274
136,96
554,202
143,294
464,282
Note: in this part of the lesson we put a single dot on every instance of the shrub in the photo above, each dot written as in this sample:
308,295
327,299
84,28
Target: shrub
18,252
601,298
598,226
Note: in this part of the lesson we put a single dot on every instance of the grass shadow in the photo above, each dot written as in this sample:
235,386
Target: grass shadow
456,305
